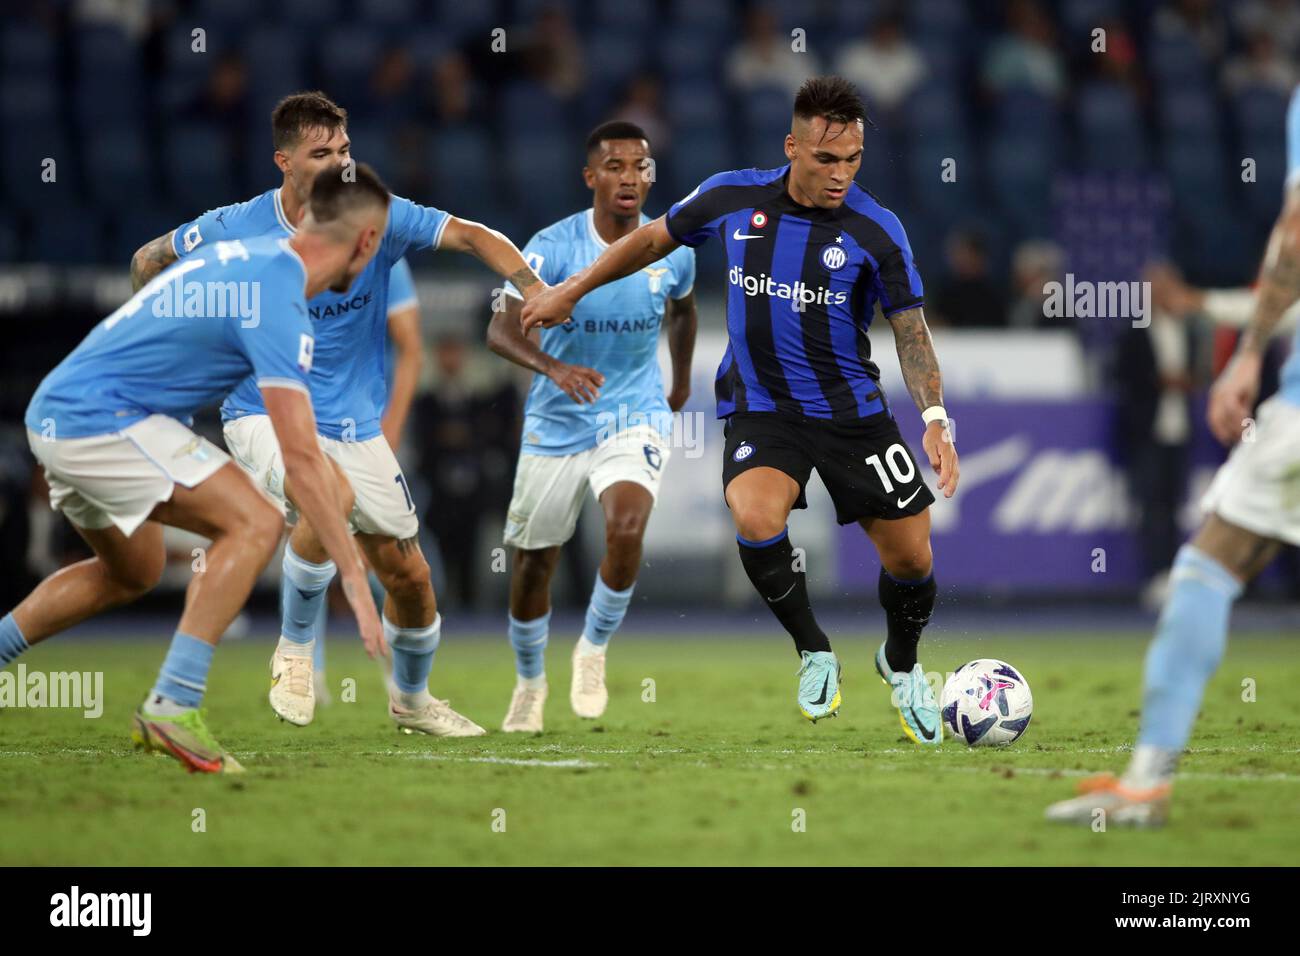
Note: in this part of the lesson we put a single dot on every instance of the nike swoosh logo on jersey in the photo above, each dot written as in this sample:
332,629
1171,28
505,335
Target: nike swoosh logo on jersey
903,503
737,235
826,683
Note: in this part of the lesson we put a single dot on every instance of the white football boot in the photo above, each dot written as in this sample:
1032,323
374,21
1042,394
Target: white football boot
293,694
587,694
435,718
526,705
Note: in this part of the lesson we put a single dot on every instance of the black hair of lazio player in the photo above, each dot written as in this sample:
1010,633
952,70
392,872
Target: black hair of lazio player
614,129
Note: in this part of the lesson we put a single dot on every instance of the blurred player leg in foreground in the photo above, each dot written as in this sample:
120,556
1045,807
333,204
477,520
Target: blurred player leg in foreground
1253,504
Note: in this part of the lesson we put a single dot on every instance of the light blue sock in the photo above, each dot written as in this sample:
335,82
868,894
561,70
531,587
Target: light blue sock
12,642
302,595
413,649
1189,643
318,649
528,638
605,612
184,674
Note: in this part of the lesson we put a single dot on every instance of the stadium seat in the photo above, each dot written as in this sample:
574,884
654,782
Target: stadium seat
135,226
277,63
528,109
462,161
639,14
118,167
1081,17
695,106
690,57
28,99
345,58
310,14
23,151
714,17
1177,62
184,70
614,56
545,179
197,167
1110,127
400,14
696,155
458,18
226,13
67,237
1190,113
28,49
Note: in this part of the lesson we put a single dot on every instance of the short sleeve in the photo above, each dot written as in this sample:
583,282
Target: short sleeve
412,226
280,345
1293,141
897,283
215,225
693,218
683,274
540,256
401,287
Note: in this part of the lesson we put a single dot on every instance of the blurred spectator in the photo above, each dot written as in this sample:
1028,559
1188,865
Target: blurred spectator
765,59
1261,66
224,100
1280,19
1157,369
642,104
1025,59
1034,264
466,435
450,93
392,87
884,65
131,16
552,54
968,297
1196,21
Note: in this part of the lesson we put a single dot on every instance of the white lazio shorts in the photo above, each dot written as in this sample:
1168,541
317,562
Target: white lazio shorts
1258,487
383,502
549,488
118,478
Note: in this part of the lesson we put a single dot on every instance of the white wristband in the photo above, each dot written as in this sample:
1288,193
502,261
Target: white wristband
935,413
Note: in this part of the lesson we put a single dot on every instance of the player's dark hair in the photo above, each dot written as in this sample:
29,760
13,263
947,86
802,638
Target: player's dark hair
833,98
340,189
297,113
614,129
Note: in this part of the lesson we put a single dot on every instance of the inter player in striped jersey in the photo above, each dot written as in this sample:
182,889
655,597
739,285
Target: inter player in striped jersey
597,417
810,256
1252,506
348,395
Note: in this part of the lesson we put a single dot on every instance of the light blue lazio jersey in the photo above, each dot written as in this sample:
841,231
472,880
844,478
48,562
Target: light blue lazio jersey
231,312
401,295
1289,386
614,329
348,387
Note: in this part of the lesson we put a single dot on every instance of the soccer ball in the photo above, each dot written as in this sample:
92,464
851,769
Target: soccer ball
986,703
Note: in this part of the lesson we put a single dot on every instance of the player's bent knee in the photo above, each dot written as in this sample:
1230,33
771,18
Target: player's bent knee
138,577
624,535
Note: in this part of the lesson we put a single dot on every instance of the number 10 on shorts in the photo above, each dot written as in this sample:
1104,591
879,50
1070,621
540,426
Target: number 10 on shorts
898,459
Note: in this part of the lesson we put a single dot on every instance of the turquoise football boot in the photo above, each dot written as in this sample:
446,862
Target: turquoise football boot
819,685
910,692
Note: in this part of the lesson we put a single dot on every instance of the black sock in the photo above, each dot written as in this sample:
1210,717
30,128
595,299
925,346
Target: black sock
771,570
907,607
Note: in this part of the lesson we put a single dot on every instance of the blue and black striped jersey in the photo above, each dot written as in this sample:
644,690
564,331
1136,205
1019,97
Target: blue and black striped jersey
803,283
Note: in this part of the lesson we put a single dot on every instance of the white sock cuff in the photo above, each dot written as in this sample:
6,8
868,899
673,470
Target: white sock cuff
417,640
305,574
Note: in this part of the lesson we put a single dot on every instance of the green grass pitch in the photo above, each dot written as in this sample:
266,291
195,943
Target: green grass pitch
713,771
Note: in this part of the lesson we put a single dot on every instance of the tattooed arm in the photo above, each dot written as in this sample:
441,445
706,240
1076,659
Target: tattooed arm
920,369
1234,394
150,259
495,251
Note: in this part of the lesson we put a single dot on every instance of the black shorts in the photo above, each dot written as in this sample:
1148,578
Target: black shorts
866,466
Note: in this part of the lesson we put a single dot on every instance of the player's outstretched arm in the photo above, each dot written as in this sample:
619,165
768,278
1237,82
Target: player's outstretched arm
1235,392
681,322
314,492
150,259
404,332
505,337
494,250
920,367
635,251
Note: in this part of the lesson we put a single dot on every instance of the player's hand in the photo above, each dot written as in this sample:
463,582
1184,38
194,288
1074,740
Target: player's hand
1233,396
357,590
550,307
580,383
942,451
677,397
